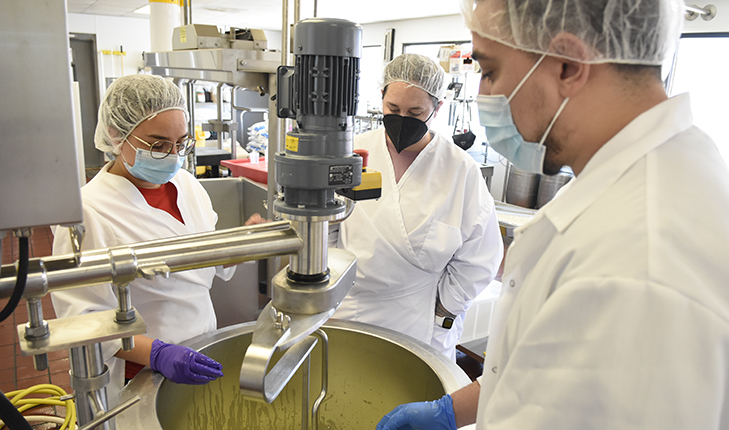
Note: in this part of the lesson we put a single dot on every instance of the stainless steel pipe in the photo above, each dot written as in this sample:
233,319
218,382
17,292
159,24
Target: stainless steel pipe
87,377
127,262
312,259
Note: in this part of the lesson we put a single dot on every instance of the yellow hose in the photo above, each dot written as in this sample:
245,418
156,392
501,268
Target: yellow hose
56,392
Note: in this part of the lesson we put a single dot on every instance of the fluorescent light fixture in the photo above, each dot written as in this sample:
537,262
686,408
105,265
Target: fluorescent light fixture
143,10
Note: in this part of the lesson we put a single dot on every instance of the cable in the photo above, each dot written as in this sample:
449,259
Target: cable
42,419
18,400
22,276
12,416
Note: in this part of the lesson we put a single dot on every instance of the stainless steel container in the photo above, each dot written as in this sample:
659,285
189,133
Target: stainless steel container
522,187
549,185
371,370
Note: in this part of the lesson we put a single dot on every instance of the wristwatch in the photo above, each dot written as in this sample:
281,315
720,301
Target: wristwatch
445,322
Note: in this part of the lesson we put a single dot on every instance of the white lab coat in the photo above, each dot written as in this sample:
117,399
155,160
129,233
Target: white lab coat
435,230
116,213
614,312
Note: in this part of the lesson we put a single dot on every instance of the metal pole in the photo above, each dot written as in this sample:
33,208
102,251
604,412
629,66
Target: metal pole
312,259
191,158
125,312
220,114
87,365
125,263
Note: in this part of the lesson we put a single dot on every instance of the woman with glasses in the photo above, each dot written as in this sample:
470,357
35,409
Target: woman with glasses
144,195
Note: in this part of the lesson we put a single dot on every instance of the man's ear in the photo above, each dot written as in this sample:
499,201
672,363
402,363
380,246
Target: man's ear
573,74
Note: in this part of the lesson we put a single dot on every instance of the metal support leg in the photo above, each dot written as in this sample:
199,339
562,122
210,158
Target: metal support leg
89,377
37,329
125,313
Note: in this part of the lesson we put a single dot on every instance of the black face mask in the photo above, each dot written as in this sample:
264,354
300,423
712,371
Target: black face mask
404,131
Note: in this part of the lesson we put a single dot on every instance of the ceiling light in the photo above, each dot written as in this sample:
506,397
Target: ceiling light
143,10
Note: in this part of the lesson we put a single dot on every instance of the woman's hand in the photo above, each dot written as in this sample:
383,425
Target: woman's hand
256,219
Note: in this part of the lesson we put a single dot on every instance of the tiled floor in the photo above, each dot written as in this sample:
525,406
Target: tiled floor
16,371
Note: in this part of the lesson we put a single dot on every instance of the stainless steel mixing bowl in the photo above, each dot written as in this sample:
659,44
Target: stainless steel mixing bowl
371,370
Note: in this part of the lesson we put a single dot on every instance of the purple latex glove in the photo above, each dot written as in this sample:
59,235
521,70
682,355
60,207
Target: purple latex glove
435,415
183,365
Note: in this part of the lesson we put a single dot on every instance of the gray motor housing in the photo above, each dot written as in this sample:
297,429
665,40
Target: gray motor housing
320,92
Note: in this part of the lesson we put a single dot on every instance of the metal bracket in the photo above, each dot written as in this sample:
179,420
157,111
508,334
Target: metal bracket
77,232
150,271
255,383
79,331
707,13
88,384
304,310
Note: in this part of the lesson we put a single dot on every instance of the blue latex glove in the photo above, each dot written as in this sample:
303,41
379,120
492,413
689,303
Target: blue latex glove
435,415
183,365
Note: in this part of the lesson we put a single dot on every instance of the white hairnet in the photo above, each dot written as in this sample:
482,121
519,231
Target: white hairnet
130,100
418,71
615,31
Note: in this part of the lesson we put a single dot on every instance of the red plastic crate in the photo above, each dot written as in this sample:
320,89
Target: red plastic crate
243,167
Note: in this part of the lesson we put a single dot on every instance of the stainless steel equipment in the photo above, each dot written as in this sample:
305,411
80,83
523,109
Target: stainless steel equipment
36,118
199,36
371,370
549,185
120,265
522,188
320,92
239,59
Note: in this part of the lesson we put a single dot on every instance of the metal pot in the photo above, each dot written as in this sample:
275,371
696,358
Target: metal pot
549,185
371,370
522,187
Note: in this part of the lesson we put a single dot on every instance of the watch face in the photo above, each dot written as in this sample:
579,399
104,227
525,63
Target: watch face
447,322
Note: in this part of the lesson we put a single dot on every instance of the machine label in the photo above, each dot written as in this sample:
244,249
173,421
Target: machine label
183,35
341,175
292,143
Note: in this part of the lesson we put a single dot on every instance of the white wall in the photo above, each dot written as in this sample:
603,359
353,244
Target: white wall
113,34
423,30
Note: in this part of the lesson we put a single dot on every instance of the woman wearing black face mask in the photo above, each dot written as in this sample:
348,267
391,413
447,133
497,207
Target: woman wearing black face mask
431,243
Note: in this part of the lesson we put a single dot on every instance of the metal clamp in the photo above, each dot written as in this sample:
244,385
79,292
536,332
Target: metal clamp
150,271
93,383
77,232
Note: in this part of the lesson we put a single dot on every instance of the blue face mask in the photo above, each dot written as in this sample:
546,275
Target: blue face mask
156,171
495,116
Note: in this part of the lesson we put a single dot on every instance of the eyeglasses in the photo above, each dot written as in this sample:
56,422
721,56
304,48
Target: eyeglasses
162,148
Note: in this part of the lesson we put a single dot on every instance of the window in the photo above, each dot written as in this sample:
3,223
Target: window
700,68
370,75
